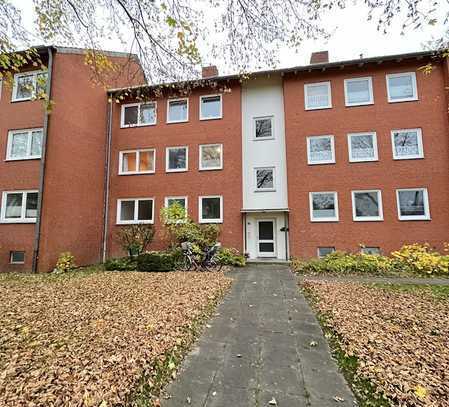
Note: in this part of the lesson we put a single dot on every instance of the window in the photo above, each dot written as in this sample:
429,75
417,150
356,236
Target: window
131,211
362,147
359,91
210,107
177,110
401,87
318,95
16,257
211,209
263,128
324,251
371,250
138,114
176,159
137,162
19,207
29,85
181,200
264,179
211,157
320,150
367,205
24,144
407,144
323,206
413,204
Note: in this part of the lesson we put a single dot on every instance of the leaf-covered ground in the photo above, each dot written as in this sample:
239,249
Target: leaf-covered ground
399,335
86,339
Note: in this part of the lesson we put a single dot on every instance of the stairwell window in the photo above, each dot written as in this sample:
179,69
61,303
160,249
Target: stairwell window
323,206
413,204
264,178
367,205
362,147
407,144
24,144
177,159
210,209
19,207
211,157
137,162
317,95
138,114
133,211
359,91
178,110
320,150
401,87
211,107
29,85
263,128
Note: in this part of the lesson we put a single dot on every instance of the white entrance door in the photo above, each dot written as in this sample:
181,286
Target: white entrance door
266,242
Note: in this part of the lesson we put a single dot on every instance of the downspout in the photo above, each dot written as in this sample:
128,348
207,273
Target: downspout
107,180
37,233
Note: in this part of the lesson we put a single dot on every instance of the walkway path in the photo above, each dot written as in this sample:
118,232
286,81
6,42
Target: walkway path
264,347
380,279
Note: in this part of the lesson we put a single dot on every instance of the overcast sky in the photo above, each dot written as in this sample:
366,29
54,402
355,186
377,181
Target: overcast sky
352,35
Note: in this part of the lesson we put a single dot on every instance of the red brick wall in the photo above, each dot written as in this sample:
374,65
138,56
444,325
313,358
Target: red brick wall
193,183
432,172
17,175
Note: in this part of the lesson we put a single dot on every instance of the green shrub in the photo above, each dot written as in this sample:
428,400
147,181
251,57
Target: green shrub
420,259
156,261
121,264
66,262
231,257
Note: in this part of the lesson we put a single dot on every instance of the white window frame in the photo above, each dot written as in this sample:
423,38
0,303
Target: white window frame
309,159
29,141
330,219
138,151
362,160
255,179
426,215
415,87
220,167
306,89
14,97
200,209
135,221
122,115
356,218
370,89
11,254
22,218
420,145
324,247
201,104
271,118
167,169
168,110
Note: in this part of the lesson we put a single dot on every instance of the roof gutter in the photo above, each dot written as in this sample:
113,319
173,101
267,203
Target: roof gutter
37,233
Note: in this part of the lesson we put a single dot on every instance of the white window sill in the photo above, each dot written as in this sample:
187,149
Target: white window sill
7,221
265,190
211,118
408,158
211,169
321,163
128,126
23,100
211,221
318,108
366,160
324,220
359,104
368,219
177,170
22,159
403,100
135,222
177,121
262,138
137,173
412,218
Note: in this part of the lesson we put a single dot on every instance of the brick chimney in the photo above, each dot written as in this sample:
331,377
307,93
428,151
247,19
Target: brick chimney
320,57
209,71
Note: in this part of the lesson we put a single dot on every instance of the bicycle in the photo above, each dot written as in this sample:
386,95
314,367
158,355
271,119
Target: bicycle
208,262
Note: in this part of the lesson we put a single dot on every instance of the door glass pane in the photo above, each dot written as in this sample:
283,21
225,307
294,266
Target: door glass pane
145,210
366,204
211,208
131,113
177,111
266,231
36,143
14,206
146,161
266,247
31,205
147,113
412,203
25,87
19,145
127,210
177,158
129,162
211,107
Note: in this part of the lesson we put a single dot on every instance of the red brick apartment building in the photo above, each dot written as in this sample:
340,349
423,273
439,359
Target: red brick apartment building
292,162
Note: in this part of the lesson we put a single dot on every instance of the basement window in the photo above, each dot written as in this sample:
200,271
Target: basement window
324,251
375,251
19,207
24,144
16,257
138,114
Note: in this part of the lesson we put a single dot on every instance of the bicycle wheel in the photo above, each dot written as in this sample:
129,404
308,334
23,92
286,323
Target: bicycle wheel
185,264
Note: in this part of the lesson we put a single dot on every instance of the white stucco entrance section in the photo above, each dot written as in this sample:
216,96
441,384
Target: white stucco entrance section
265,200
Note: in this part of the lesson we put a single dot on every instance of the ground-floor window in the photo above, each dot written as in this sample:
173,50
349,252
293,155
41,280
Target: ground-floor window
323,206
211,209
140,210
413,204
367,205
19,207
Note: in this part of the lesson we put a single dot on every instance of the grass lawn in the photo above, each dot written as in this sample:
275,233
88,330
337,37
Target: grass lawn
98,338
391,340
